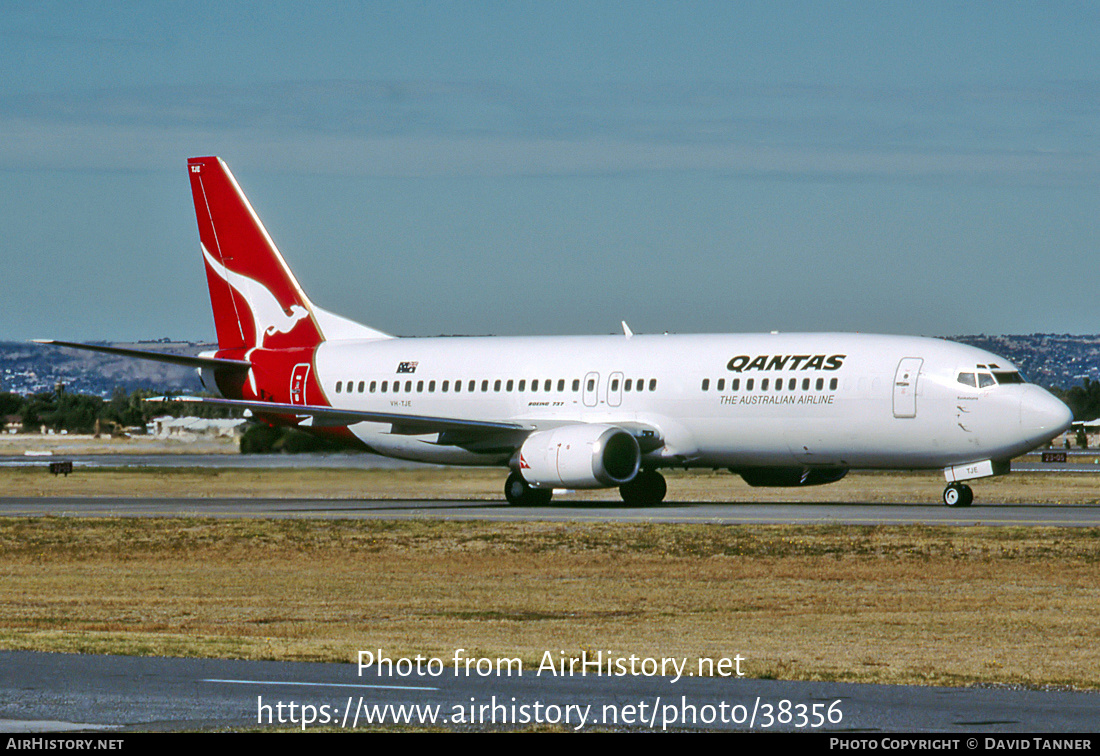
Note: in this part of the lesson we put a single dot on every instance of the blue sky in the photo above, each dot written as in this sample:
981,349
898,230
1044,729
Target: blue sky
530,167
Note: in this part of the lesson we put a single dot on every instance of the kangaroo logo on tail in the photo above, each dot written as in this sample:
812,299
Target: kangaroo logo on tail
268,316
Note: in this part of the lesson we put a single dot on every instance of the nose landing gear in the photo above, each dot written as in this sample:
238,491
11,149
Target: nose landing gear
958,495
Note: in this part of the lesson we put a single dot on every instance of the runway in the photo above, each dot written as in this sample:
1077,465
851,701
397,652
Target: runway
1031,515
39,692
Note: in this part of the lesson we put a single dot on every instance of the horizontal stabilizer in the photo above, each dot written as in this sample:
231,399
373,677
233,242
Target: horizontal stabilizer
186,360
313,416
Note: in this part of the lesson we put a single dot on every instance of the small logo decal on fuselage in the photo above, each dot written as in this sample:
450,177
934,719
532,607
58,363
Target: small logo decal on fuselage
407,367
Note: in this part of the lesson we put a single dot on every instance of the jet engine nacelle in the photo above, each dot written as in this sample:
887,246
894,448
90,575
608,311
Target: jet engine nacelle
579,456
789,477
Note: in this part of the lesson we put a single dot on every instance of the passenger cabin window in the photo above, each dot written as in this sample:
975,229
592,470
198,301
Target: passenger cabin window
338,385
721,384
652,384
630,382
706,384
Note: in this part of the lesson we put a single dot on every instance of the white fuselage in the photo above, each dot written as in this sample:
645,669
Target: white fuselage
738,400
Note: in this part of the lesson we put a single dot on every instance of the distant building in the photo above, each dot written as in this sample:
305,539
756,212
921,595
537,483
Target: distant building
13,424
167,426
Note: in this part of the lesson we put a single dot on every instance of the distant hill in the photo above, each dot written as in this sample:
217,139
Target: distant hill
1049,359
32,368
1060,360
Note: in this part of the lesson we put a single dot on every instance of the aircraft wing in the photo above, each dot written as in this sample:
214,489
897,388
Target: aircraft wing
453,431
173,359
313,416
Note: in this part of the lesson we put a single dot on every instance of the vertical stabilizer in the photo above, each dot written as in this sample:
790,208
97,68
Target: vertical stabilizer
257,301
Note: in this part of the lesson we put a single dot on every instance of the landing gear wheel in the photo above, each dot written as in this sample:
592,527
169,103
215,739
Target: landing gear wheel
647,489
958,495
519,493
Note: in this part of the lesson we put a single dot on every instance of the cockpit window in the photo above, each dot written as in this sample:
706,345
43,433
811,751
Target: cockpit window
985,380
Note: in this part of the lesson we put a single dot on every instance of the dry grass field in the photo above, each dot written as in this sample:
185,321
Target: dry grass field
910,604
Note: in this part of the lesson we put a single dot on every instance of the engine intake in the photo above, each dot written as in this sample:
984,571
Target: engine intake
580,456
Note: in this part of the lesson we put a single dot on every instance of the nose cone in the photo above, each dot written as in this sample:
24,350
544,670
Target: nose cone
1042,415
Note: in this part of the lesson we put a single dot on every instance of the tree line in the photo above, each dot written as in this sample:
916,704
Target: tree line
87,413
1084,400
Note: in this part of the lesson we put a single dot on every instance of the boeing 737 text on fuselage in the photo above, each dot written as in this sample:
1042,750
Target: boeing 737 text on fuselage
599,411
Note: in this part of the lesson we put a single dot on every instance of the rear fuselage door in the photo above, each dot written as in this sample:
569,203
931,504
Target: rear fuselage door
298,378
905,387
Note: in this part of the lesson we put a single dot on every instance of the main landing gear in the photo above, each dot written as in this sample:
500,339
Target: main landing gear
645,489
958,495
519,492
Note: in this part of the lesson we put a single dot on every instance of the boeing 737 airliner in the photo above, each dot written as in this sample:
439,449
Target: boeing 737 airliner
599,411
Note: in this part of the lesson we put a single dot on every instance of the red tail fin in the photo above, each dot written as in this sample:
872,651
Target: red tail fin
256,301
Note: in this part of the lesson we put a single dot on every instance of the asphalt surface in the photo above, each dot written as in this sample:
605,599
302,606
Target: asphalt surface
1036,515
42,692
